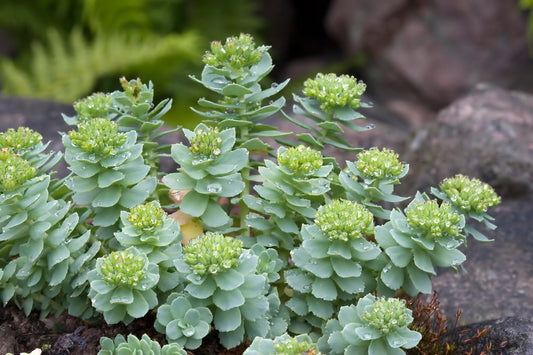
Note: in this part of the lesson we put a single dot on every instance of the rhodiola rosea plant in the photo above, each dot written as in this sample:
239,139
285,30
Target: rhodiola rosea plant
256,237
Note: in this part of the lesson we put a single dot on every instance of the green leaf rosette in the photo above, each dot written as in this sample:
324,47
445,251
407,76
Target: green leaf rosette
133,346
210,169
427,234
122,286
375,326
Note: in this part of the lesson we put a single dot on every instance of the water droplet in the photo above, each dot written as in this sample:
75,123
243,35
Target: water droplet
274,85
219,81
367,337
214,188
370,126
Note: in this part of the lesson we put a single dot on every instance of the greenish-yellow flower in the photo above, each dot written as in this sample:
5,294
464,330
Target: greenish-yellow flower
470,194
334,91
99,136
14,170
22,138
379,164
434,221
344,220
212,253
96,105
387,314
206,143
291,346
132,88
301,160
236,54
123,268
147,216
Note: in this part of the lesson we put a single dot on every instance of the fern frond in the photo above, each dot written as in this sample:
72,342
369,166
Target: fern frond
66,70
104,16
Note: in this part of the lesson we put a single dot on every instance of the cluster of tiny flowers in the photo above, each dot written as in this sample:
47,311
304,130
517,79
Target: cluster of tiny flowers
14,171
99,136
123,268
206,143
96,105
212,253
344,220
236,54
131,88
300,160
292,346
470,194
146,216
433,220
23,137
379,164
333,91
387,314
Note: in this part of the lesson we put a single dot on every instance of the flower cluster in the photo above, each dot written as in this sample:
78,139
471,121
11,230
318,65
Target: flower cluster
206,143
237,53
99,136
434,221
387,315
469,194
146,216
94,106
300,160
22,138
123,268
334,91
344,220
283,345
379,164
132,88
212,253
373,326
291,345
133,345
14,171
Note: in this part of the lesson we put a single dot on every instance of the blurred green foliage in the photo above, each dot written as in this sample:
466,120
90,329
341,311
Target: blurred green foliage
68,49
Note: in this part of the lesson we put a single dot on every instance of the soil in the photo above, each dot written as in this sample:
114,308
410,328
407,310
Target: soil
69,335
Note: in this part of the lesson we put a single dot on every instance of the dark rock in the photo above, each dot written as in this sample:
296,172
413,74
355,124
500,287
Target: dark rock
487,134
428,53
502,336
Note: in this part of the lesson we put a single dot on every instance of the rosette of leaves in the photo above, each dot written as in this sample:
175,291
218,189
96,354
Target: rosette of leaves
109,174
284,344
372,177
427,234
182,322
472,198
223,277
122,285
210,169
289,194
133,345
375,326
148,228
330,102
233,71
330,266
38,241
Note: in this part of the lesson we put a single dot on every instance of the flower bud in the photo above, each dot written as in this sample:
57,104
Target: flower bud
469,194
434,221
301,160
206,144
14,171
96,105
146,216
376,164
22,138
123,268
99,136
387,314
236,54
334,91
344,220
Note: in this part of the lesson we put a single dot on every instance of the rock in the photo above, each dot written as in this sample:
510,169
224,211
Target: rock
428,53
503,336
488,134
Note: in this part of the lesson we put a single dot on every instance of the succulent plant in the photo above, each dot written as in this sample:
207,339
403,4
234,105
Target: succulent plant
210,169
284,344
472,198
148,228
375,326
290,193
133,345
182,322
97,105
330,264
108,171
427,234
122,285
223,277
